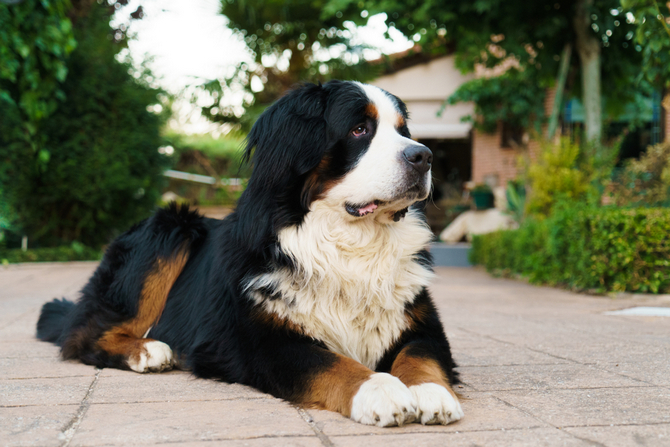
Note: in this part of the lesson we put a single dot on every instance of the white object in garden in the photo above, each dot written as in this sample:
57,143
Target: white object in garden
476,222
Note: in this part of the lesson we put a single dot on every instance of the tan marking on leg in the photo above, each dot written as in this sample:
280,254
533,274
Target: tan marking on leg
126,339
417,315
417,370
274,320
334,389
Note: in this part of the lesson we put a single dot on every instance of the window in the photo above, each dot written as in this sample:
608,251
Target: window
512,136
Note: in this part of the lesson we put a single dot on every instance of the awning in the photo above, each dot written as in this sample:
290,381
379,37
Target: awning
440,131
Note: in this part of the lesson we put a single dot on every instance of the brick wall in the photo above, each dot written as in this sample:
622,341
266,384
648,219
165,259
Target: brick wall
490,162
494,164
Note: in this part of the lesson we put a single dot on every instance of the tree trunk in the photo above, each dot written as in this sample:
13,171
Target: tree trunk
588,48
558,94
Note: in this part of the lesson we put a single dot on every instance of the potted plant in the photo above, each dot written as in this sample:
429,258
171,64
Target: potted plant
482,196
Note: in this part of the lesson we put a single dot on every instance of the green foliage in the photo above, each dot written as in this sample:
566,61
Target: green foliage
523,251
104,171
512,97
35,39
291,42
205,155
600,250
652,33
490,33
558,174
7,217
644,182
228,146
74,252
516,200
567,171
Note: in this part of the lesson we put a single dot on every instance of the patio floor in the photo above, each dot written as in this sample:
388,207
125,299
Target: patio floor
541,367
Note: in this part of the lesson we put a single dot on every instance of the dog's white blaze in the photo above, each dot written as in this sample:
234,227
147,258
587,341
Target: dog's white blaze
380,172
353,280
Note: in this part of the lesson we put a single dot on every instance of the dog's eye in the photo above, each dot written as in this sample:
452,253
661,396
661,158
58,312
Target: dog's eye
359,130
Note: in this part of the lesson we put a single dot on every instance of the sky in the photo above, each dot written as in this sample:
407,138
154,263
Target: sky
188,40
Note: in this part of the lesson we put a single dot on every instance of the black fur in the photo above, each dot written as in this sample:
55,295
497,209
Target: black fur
208,321
52,320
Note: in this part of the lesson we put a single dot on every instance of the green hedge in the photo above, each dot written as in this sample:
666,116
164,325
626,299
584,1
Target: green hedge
76,252
600,250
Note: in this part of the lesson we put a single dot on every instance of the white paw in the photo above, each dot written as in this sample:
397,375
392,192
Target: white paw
157,357
383,400
436,405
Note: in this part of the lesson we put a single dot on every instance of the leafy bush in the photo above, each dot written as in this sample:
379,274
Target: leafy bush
74,252
510,97
559,173
644,182
584,248
35,40
103,171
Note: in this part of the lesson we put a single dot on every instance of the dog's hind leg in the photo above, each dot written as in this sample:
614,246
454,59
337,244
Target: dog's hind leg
127,339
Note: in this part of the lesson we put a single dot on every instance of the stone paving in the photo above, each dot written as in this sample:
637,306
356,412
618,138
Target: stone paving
541,367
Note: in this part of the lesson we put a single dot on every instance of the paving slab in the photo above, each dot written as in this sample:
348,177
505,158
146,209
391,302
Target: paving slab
36,367
174,386
655,372
628,435
151,423
497,353
44,391
24,349
535,377
286,441
491,438
483,411
596,406
34,425
540,366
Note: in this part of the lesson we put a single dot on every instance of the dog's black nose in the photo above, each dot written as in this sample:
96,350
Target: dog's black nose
419,157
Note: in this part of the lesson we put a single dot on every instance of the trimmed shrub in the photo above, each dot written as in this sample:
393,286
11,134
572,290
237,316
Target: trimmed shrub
600,250
74,252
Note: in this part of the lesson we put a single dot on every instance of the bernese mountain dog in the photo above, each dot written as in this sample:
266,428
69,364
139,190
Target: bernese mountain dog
313,290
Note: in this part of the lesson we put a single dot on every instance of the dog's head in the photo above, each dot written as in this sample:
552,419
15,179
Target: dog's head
343,143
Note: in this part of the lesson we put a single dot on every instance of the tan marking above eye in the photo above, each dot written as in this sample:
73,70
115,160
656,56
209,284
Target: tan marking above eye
400,123
372,112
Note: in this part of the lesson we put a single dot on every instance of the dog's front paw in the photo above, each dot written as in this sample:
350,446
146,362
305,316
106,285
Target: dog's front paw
383,400
157,356
435,404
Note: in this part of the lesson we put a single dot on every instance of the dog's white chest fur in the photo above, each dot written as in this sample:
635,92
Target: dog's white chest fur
353,282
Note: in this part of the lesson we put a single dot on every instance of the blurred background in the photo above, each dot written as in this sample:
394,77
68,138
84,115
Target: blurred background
535,112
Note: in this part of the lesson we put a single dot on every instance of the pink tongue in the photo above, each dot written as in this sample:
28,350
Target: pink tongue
367,209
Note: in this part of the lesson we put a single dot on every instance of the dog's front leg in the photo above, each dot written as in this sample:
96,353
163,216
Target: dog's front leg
300,371
355,391
424,376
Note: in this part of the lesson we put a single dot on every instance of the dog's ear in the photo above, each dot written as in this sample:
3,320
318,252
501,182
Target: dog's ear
286,143
289,138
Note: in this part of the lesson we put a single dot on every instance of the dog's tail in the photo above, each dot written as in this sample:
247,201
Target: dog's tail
52,319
